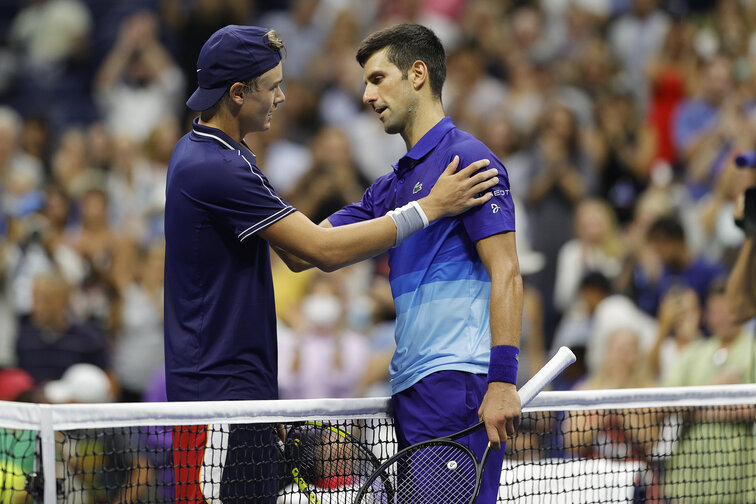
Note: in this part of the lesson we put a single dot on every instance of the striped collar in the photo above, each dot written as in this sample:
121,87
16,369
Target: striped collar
220,137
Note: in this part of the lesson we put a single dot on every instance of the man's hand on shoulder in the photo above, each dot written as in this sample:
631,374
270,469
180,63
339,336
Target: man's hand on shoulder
501,411
457,191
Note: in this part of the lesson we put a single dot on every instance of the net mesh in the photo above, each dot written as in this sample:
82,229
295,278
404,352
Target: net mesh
611,448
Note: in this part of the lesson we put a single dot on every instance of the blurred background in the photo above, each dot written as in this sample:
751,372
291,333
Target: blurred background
617,121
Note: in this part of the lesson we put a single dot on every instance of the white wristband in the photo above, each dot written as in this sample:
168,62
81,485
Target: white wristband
409,219
421,212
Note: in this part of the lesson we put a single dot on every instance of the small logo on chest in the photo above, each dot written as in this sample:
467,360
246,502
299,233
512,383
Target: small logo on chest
418,187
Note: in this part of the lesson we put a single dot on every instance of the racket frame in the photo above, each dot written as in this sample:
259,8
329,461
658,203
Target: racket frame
304,486
563,358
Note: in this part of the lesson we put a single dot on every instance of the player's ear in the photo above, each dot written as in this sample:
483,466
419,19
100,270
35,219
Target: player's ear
236,93
418,74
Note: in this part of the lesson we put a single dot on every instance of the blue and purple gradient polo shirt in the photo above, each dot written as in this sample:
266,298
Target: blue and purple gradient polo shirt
220,322
440,286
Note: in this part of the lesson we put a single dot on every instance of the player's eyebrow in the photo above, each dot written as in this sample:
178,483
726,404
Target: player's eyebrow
372,75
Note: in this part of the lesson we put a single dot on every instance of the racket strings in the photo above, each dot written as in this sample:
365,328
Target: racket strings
429,475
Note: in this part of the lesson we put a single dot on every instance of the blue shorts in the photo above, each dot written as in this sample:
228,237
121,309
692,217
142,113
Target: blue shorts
443,403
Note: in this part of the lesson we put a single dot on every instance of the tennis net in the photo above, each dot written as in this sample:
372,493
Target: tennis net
693,444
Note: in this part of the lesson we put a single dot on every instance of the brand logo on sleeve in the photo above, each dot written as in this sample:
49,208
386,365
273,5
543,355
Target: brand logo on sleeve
418,187
494,208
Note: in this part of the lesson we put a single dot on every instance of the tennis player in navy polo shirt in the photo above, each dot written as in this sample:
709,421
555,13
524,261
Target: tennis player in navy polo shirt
221,215
456,285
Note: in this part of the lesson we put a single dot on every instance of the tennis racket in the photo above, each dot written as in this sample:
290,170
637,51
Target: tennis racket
441,469
325,461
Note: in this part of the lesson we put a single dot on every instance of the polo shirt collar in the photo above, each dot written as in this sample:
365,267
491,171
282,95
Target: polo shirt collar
427,143
218,136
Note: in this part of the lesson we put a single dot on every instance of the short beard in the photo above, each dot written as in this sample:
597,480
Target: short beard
409,118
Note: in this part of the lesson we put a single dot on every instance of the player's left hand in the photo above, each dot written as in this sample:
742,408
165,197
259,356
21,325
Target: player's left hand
501,411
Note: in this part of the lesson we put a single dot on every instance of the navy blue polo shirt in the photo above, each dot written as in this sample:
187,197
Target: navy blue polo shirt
220,321
440,285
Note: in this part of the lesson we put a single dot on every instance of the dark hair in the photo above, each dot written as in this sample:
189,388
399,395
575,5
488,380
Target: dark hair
717,286
596,280
406,44
666,228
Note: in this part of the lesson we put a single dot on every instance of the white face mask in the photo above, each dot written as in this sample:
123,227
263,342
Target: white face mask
323,310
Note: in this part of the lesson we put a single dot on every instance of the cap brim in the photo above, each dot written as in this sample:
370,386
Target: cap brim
203,99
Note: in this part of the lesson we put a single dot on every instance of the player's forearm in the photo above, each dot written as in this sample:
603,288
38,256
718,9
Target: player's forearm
506,307
329,248
340,246
293,262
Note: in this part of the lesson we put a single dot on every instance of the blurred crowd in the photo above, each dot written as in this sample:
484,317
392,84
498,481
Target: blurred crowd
617,121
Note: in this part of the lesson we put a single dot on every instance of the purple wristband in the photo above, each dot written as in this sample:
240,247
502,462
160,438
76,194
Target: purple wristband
503,364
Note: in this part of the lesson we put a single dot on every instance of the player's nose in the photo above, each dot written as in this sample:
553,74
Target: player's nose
369,96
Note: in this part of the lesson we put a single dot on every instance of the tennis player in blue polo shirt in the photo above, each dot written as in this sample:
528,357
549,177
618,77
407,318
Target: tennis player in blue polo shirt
221,215
456,285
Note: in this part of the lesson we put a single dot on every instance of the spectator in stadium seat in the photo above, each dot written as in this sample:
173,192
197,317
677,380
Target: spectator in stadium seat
20,173
562,175
626,434
679,326
323,358
635,37
671,74
704,462
471,91
38,245
720,235
707,125
50,40
622,146
138,84
71,166
679,266
332,180
576,327
596,247
138,347
48,341
103,249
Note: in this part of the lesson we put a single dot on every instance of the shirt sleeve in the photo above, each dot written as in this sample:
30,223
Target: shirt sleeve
238,196
497,215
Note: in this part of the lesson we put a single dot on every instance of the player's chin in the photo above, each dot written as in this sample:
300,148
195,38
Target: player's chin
391,128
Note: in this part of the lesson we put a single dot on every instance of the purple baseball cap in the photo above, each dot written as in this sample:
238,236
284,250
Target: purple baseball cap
232,54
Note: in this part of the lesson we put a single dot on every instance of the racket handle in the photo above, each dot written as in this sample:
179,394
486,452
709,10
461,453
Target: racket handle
563,358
